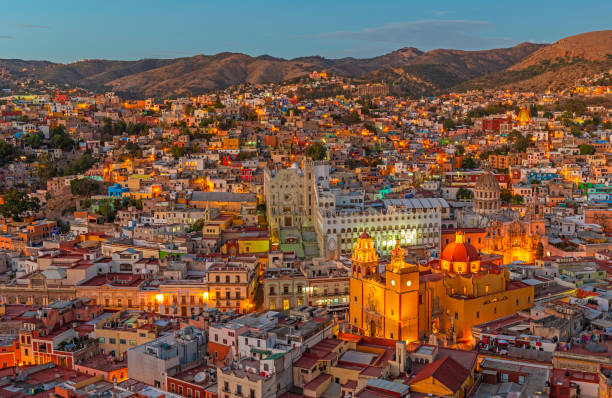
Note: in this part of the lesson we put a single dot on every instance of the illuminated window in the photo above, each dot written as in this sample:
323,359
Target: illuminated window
285,304
408,283
392,282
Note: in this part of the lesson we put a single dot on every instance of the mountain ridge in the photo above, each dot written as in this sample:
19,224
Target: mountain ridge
408,70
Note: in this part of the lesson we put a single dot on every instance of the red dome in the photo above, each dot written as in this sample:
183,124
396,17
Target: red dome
460,251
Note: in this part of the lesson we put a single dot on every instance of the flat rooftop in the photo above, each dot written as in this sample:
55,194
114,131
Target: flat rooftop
358,357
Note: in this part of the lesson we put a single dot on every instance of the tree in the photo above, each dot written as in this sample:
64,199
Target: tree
189,109
316,151
464,194
197,226
586,149
18,203
351,118
81,165
119,127
59,139
106,210
47,168
575,106
63,226
85,187
133,150
107,126
218,104
178,151
468,163
8,153
448,124
35,140
517,199
505,195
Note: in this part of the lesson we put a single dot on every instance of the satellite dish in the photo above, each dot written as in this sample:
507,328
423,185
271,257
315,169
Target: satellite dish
199,377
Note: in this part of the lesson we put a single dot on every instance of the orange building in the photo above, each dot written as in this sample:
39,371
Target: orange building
444,298
10,353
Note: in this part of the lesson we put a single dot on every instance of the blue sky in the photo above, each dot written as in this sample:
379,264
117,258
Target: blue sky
66,31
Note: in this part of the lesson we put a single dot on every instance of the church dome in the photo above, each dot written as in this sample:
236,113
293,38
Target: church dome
459,250
460,257
487,195
487,182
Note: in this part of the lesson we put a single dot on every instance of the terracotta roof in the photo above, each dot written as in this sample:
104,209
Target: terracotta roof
445,370
305,363
317,381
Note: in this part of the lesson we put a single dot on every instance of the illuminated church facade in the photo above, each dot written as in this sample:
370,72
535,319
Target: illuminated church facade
444,298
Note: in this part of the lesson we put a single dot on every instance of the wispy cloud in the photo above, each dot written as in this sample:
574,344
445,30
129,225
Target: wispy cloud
31,26
5,37
429,34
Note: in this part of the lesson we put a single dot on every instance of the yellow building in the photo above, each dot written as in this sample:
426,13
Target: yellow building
383,305
445,298
121,331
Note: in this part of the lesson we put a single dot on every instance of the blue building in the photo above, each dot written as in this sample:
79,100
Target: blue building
117,190
541,176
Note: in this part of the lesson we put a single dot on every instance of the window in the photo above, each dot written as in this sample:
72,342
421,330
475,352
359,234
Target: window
122,341
477,314
217,278
112,340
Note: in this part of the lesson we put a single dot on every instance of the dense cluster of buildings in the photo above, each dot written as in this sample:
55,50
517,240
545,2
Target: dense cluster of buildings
266,241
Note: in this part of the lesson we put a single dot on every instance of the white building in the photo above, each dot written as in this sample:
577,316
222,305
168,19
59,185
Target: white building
414,222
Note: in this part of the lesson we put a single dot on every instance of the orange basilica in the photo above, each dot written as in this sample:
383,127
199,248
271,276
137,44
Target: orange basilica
442,299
